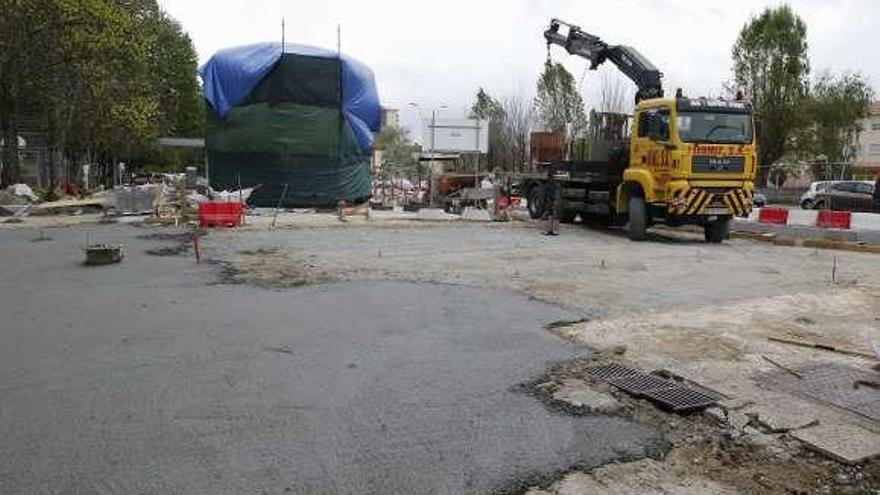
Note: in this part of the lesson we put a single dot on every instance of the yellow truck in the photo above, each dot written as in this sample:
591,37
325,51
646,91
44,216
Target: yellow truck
676,161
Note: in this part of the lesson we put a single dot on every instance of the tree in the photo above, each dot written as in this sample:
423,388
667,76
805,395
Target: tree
558,102
770,63
518,119
837,105
96,77
488,108
398,151
612,95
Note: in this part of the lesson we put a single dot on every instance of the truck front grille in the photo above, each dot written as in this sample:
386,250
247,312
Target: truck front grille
705,164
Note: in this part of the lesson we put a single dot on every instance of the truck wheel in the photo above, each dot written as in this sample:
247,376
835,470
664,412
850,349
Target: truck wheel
536,209
715,232
568,216
638,219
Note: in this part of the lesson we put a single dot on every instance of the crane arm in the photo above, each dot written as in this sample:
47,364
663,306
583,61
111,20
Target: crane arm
634,65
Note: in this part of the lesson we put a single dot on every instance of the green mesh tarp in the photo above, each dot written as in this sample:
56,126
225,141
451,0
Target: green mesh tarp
291,130
283,129
319,172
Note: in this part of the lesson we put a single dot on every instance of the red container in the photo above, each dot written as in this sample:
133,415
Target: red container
547,147
776,216
220,214
829,219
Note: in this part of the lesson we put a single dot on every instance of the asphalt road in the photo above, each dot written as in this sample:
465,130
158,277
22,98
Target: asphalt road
148,377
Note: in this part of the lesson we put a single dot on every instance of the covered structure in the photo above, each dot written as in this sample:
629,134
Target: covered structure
298,116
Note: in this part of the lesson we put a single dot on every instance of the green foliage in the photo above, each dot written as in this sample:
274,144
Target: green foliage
99,77
558,102
837,105
770,63
398,151
488,108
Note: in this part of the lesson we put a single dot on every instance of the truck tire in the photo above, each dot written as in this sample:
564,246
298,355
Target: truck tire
567,216
534,198
715,232
638,219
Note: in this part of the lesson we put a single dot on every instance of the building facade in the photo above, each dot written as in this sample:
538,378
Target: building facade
868,158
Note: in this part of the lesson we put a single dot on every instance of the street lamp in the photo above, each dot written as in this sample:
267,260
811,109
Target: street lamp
431,181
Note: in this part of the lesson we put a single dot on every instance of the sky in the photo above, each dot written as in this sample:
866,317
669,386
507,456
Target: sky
436,54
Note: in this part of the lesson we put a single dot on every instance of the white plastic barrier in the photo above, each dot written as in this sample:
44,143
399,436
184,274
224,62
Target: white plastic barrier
753,216
865,221
802,217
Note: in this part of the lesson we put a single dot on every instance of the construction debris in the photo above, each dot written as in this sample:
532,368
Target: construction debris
103,254
824,347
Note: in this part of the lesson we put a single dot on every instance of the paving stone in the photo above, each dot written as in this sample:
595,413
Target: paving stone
844,442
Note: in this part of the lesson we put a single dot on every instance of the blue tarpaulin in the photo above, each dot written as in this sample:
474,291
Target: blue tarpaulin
231,74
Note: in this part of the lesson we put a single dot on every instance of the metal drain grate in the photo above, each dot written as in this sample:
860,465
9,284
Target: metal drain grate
668,393
680,398
639,385
611,371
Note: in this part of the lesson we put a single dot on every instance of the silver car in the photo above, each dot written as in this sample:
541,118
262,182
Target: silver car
808,199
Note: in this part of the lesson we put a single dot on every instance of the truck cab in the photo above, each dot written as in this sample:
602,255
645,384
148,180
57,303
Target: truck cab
691,161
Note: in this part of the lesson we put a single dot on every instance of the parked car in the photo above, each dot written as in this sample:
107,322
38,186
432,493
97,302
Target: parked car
808,199
759,200
847,196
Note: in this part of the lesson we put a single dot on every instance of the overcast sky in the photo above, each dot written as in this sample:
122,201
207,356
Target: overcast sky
438,52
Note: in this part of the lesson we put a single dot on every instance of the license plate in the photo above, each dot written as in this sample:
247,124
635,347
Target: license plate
716,211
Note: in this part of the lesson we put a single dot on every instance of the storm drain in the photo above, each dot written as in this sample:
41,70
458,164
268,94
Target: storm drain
614,370
681,399
670,394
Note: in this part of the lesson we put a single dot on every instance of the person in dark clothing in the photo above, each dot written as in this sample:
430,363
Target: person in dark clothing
552,198
877,193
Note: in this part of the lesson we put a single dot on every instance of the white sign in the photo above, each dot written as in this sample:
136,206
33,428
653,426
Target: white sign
456,135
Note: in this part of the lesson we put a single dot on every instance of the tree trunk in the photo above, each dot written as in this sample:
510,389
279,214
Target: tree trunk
9,158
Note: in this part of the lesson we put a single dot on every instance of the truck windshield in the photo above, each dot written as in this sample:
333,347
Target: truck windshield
709,127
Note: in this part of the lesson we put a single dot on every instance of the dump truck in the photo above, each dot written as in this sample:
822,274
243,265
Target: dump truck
675,161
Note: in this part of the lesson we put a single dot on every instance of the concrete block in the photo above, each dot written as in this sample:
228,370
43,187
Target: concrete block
472,214
434,214
844,442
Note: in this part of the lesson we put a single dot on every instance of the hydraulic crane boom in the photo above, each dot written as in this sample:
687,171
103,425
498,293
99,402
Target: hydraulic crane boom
626,58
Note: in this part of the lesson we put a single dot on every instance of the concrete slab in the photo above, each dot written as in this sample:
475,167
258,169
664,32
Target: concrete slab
476,215
579,394
784,414
846,443
434,214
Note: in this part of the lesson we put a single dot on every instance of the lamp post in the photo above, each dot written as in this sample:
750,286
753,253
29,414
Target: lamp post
432,186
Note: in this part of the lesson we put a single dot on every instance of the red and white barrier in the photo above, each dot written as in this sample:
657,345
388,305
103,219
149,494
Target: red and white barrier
773,216
830,219
824,219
